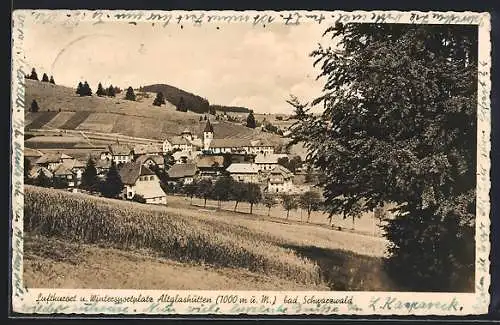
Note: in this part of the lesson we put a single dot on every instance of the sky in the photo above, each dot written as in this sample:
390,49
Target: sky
236,65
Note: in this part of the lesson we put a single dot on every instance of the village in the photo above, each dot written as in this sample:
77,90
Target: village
149,172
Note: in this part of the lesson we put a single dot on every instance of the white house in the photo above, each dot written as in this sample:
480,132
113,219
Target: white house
267,161
259,146
280,180
119,153
139,179
177,142
245,172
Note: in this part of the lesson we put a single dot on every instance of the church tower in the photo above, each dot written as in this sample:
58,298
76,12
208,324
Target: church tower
208,135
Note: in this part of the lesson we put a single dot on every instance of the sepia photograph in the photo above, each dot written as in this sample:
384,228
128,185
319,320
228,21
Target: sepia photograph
321,156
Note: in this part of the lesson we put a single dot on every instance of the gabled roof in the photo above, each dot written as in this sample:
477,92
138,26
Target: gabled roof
177,140
131,171
144,149
65,168
208,127
280,170
119,149
243,168
28,152
157,159
268,158
210,161
182,170
260,143
36,170
229,143
52,158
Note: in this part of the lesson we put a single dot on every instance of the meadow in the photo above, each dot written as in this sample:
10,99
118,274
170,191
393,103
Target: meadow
309,256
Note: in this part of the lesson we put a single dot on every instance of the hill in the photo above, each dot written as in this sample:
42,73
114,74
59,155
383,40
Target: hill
231,109
173,95
62,108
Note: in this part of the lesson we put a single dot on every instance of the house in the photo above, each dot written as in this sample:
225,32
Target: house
147,149
35,171
140,180
52,160
245,172
210,166
183,173
183,157
267,161
228,145
119,153
259,146
151,160
176,142
70,172
280,180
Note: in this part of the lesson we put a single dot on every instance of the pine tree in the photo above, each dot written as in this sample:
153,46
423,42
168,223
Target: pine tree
113,185
33,75
79,89
181,106
100,91
52,80
111,91
86,89
43,180
34,106
251,121
399,125
159,100
130,95
45,78
90,182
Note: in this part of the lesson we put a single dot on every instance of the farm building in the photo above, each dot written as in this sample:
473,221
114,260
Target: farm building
147,149
183,173
280,180
52,160
119,153
267,161
140,180
210,166
245,172
151,160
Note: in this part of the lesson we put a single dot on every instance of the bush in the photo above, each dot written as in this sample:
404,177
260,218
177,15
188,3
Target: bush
139,198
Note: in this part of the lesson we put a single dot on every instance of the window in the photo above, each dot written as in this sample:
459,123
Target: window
151,178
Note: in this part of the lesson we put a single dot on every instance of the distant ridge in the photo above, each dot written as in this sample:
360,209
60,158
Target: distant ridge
193,102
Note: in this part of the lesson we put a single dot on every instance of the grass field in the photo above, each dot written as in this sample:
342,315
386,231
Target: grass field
302,256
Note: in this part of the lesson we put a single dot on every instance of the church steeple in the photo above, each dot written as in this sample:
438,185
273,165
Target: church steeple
208,127
208,135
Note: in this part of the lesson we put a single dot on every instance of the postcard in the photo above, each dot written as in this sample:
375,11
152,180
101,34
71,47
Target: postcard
250,162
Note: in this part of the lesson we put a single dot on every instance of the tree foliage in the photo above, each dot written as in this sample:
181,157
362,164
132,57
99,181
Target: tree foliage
100,90
253,195
130,95
269,201
289,203
34,106
204,190
33,75
111,92
90,182
159,99
181,106
112,186
52,80
399,125
222,188
310,201
45,78
251,121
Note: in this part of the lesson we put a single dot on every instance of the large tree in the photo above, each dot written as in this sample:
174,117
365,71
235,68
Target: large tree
159,99
204,190
90,181
310,201
100,90
130,95
112,185
253,195
34,106
222,189
399,125
45,78
251,121
33,75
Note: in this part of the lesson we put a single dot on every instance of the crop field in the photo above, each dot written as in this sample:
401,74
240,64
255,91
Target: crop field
200,238
38,120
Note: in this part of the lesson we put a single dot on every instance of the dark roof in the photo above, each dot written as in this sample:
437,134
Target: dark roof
131,171
229,143
155,158
182,170
52,158
143,149
208,127
177,140
28,152
210,161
